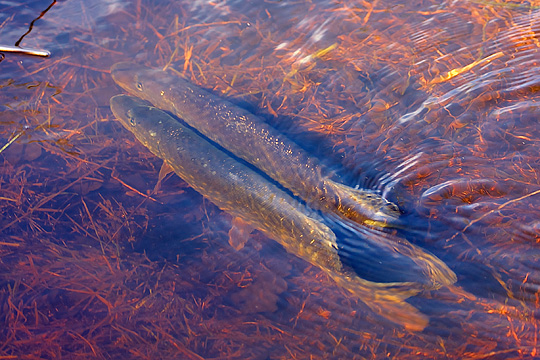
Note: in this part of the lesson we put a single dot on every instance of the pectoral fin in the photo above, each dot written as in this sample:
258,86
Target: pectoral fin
239,233
165,170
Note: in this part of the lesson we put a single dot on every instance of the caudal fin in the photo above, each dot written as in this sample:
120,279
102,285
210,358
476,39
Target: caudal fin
435,271
386,299
365,207
401,313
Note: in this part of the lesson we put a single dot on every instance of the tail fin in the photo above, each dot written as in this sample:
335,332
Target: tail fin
386,299
438,273
401,313
363,206
434,268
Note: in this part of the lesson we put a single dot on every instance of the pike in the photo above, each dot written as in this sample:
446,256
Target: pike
250,138
247,195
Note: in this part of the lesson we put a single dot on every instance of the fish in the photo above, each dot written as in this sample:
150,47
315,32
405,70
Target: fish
250,138
247,195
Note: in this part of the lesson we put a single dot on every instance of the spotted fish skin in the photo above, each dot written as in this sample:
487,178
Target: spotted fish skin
244,193
249,137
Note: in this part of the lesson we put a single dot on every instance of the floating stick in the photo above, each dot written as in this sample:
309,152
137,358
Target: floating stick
27,51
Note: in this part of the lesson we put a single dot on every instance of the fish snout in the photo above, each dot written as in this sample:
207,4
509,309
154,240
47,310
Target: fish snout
124,74
119,108
122,107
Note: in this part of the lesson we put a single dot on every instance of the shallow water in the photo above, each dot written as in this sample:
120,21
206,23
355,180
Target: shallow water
434,104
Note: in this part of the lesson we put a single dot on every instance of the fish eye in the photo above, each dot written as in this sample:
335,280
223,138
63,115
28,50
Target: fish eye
131,118
139,86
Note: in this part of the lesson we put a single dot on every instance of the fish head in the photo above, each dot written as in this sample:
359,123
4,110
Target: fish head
126,75
124,107
139,117
141,81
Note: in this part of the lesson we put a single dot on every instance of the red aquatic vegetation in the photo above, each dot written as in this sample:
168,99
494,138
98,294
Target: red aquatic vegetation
77,193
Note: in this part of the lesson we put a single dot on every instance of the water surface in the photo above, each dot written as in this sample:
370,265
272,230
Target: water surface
434,104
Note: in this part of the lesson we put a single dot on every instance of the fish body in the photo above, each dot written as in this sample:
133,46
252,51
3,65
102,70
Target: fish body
249,137
246,194
252,139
